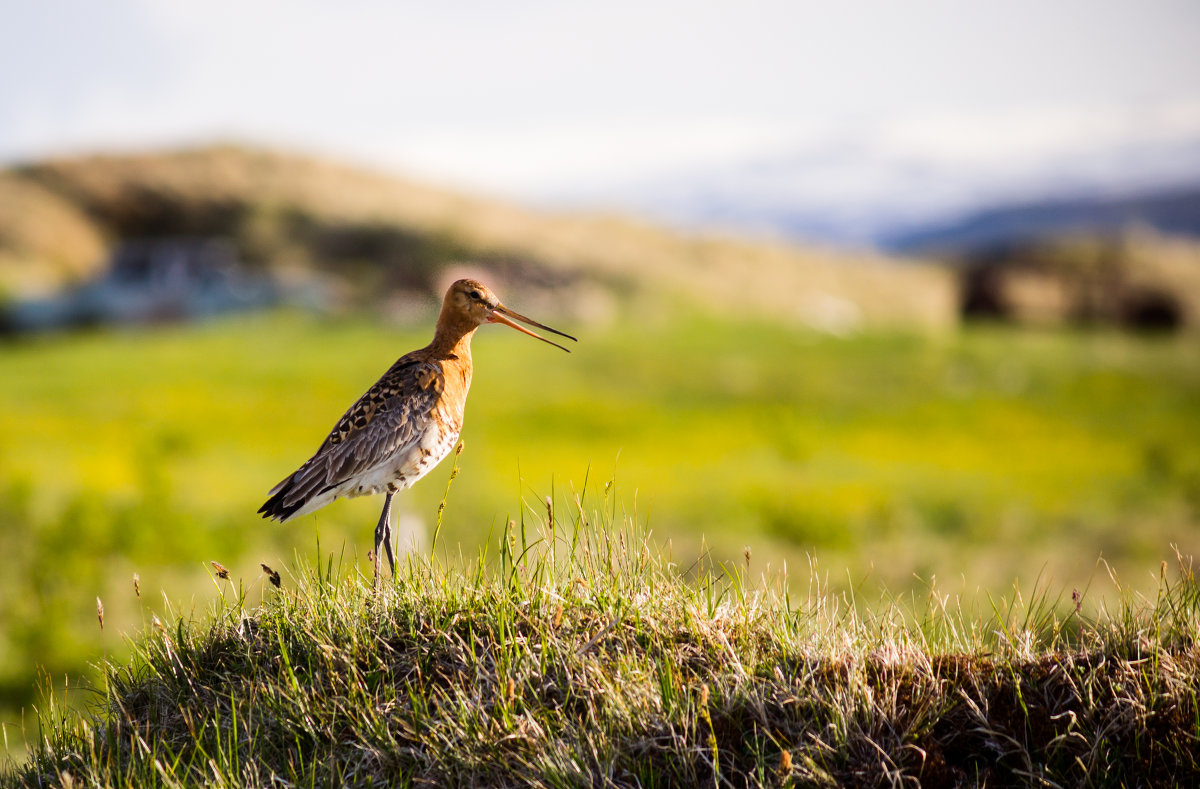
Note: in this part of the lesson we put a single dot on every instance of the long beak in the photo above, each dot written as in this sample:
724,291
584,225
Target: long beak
498,316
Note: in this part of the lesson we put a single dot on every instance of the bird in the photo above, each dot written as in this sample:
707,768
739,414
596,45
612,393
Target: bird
405,424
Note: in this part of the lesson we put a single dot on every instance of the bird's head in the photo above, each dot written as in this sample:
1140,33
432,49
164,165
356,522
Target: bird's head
473,303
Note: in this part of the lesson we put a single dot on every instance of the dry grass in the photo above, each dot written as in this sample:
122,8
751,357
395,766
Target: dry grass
579,656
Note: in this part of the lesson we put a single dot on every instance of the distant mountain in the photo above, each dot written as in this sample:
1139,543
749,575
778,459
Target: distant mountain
1173,212
864,192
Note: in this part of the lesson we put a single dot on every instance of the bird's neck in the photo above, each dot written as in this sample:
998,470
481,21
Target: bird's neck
453,342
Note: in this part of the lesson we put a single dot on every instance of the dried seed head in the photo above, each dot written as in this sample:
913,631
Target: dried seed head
746,553
222,573
704,695
100,612
272,574
137,585
510,692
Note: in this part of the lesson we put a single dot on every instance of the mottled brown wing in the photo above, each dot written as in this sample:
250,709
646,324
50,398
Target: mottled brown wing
390,417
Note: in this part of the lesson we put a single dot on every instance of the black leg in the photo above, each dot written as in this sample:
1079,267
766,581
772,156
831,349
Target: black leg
387,543
383,533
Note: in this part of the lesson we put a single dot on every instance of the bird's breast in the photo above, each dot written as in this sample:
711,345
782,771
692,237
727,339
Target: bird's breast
456,382
442,428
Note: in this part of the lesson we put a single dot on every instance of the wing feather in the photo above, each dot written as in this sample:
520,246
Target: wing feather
390,418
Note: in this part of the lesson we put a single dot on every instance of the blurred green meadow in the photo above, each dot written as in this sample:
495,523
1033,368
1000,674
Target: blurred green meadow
981,457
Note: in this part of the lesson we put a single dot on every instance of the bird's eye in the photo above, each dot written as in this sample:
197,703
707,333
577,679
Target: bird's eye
475,295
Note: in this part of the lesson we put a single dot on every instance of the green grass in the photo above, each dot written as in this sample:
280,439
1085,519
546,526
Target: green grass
979,458
578,656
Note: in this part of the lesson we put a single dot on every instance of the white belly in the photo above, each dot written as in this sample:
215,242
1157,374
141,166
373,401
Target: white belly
405,467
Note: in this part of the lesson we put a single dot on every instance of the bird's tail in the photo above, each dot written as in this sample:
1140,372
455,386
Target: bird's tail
296,495
278,506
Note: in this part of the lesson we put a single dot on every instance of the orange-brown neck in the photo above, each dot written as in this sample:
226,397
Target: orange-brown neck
453,335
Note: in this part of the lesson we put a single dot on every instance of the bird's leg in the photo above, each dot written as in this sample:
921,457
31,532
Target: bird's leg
383,535
387,540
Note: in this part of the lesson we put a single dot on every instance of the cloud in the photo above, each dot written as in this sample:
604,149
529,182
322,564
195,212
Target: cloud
529,95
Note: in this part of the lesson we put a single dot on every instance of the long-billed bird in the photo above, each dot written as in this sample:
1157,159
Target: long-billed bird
405,424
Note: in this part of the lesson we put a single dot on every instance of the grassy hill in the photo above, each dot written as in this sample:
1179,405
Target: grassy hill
378,234
45,240
579,657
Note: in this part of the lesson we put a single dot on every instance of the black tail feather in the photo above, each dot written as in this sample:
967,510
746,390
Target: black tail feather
276,508
295,492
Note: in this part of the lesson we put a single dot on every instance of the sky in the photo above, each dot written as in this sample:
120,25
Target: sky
532,97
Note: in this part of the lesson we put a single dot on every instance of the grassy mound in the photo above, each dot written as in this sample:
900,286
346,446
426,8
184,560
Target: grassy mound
605,665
